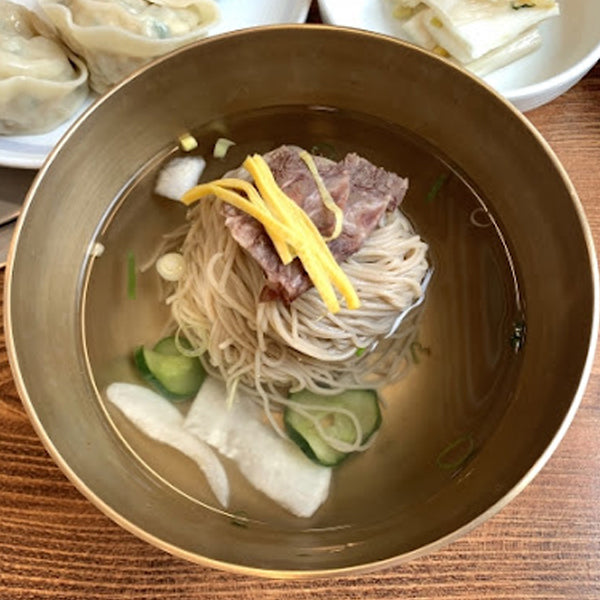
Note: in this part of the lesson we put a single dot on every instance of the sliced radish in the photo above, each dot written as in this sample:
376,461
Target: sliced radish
161,421
179,175
272,464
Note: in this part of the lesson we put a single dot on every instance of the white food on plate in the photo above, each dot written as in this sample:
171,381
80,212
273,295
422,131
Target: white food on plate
482,35
115,37
525,43
414,26
41,83
161,421
272,464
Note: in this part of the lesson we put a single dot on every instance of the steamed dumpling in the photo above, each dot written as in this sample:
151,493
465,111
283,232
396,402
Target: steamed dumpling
41,84
115,37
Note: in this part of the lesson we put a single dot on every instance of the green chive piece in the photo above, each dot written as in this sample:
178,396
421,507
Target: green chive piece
131,276
437,186
360,351
455,454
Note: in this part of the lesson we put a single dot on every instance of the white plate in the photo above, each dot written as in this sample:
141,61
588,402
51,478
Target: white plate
570,48
29,152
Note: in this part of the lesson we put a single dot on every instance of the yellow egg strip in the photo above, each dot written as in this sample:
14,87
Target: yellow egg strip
319,278
328,201
288,226
293,215
268,188
286,254
278,230
263,177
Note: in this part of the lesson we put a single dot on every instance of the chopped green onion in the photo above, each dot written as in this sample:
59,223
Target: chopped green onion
240,519
360,351
170,266
437,186
187,142
455,454
97,250
222,146
131,276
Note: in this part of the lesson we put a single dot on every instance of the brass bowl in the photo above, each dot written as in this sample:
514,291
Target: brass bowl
70,325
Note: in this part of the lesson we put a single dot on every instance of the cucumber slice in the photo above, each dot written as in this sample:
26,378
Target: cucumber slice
168,346
172,374
364,404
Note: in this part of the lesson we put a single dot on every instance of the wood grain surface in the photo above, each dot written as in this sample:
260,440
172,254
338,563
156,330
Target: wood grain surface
543,545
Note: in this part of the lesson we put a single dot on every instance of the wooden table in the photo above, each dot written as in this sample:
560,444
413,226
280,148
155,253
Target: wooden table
544,545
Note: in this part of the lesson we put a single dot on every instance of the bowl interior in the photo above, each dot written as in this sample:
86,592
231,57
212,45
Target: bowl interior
504,336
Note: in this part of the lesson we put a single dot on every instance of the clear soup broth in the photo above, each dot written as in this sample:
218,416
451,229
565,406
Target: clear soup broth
464,363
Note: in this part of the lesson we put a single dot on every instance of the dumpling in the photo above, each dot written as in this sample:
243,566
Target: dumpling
115,37
41,83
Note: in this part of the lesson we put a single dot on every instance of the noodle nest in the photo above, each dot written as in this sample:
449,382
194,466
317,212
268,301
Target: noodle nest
271,349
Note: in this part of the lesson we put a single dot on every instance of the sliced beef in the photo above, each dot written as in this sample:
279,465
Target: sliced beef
362,190
295,179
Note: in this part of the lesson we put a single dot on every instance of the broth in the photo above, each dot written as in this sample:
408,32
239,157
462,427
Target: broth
466,360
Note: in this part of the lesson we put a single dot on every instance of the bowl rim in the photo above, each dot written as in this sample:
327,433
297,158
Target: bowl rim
362,568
